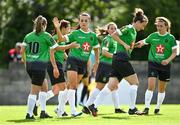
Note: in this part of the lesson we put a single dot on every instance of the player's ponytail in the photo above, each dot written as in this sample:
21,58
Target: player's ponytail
139,15
40,24
104,30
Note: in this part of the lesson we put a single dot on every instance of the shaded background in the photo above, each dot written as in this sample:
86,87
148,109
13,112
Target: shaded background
16,17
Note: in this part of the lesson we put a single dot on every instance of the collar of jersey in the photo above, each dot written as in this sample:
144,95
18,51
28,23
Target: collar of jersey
162,35
84,31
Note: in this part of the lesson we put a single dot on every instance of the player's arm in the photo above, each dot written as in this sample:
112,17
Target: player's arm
53,62
140,43
106,53
23,54
64,47
173,55
115,36
95,66
58,31
65,55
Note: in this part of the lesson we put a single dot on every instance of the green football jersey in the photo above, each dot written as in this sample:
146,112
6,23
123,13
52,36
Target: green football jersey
128,35
161,46
87,41
110,45
37,46
59,55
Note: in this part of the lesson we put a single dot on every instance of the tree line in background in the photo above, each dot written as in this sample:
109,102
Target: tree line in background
16,17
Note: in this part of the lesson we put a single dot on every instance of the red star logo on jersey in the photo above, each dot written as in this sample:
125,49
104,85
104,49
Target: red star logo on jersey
86,46
160,49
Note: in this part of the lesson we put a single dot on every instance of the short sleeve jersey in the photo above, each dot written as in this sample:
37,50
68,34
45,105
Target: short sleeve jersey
108,44
37,46
128,35
161,46
59,55
87,41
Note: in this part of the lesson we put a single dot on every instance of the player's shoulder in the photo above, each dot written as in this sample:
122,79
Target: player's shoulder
47,34
171,36
29,34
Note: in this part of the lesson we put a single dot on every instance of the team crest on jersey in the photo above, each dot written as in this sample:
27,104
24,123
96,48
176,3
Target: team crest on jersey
86,46
166,40
160,49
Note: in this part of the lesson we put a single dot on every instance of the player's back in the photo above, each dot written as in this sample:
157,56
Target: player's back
37,46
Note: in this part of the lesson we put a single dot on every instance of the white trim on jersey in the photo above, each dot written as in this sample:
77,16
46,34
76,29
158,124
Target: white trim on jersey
97,46
144,41
105,48
54,46
119,32
24,44
67,38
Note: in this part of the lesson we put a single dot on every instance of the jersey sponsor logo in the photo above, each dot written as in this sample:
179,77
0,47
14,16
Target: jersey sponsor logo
155,40
81,37
86,46
160,49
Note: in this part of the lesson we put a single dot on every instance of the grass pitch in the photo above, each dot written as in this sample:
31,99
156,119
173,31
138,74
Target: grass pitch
170,115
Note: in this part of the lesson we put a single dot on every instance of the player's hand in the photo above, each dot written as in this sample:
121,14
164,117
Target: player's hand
94,69
127,47
56,72
56,22
132,45
75,45
165,62
138,44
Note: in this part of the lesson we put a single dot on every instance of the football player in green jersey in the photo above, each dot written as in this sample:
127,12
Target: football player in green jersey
77,59
108,47
35,51
58,82
162,52
121,67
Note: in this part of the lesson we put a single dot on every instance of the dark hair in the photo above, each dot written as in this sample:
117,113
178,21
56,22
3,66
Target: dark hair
103,30
39,24
139,15
64,24
76,27
166,21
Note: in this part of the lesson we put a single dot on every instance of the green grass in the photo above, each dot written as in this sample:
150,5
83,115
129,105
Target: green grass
170,115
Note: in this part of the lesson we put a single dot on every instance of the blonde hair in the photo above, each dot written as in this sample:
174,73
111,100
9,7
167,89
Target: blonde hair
166,21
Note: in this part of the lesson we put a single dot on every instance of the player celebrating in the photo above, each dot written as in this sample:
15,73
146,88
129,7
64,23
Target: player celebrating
108,46
77,59
161,53
35,51
120,63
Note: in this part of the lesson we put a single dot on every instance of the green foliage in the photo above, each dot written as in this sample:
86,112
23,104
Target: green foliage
16,16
